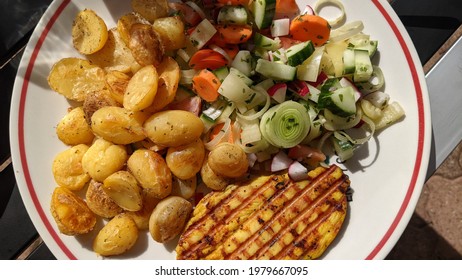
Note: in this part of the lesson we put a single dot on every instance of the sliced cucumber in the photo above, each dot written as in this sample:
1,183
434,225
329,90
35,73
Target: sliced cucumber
363,66
275,70
371,47
266,43
215,110
348,61
221,73
232,15
263,12
299,53
243,62
340,101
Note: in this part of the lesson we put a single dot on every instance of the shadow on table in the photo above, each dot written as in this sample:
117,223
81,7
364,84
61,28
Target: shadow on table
421,242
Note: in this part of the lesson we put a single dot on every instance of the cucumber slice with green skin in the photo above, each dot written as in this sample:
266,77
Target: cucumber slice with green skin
263,12
299,53
232,15
276,71
265,42
371,47
221,73
341,101
363,66
348,61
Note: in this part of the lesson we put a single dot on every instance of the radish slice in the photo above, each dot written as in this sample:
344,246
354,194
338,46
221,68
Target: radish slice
344,82
278,92
308,10
300,88
222,52
280,27
297,171
281,161
196,8
252,158
322,77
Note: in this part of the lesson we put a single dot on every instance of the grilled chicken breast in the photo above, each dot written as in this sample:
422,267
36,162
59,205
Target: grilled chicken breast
270,217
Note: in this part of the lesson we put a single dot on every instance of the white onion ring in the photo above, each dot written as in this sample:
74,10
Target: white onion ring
346,31
186,76
222,52
197,9
259,113
320,3
223,134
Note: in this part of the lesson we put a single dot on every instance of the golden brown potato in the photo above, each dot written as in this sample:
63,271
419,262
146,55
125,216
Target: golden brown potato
173,128
141,89
99,202
116,237
186,160
213,180
123,188
125,22
73,129
74,78
118,125
228,160
171,32
70,212
184,188
169,218
103,158
151,171
150,9
142,216
145,45
89,32
117,83
96,100
67,168
169,77
115,55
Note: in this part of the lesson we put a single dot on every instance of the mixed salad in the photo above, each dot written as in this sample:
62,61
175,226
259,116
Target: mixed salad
282,82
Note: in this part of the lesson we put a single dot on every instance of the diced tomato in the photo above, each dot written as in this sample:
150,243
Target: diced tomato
207,59
188,14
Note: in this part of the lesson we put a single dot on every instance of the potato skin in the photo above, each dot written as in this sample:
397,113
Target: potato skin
150,9
169,218
103,158
89,32
116,237
99,202
123,188
228,160
186,160
184,188
171,32
145,45
151,171
71,213
211,179
67,168
73,129
173,128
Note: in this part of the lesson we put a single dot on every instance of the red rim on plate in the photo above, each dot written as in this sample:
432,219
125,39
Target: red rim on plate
383,241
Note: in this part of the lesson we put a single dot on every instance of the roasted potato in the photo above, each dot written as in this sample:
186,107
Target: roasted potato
103,158
141,217
73,129
169,77
99,202
115,55
186,161
123,188
228,160
184,188
173,128
116,237
171,32
213,180
67,168
141,89
96,100
74,78
89,32
151,171
117,83
125,22
150,9
169,218
118,125
71,213
145,45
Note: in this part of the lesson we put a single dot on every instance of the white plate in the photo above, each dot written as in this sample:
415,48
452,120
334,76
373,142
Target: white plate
387,176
